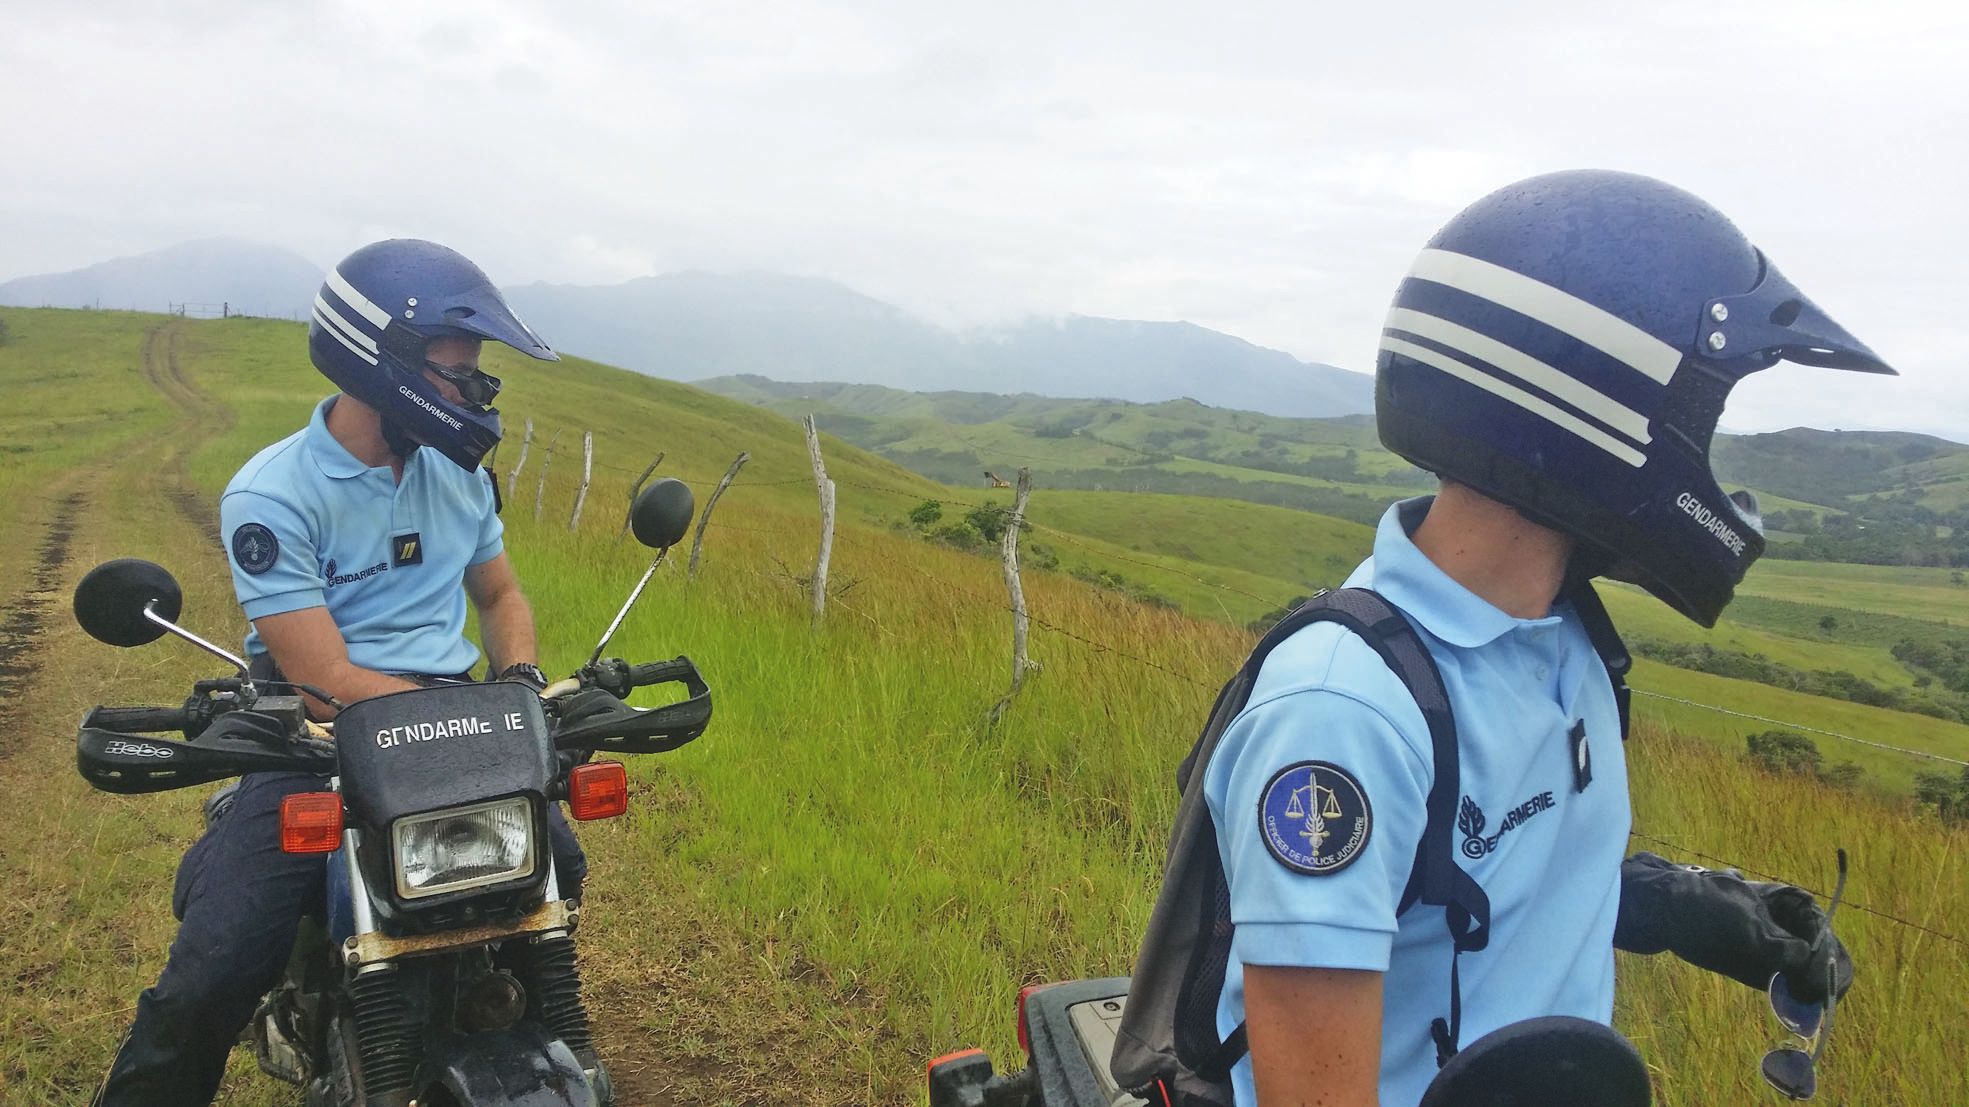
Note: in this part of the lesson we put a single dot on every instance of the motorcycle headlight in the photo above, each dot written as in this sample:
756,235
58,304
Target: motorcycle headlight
463,847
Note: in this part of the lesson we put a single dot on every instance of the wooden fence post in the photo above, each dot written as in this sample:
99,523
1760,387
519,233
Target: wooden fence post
697,542
826,489
513,478
630,509
1009,554
546,463
587,471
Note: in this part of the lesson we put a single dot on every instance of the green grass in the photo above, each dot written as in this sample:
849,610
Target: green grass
1298,549
1639,616
1240,473
1914,593
850,858
1848,625
1888,772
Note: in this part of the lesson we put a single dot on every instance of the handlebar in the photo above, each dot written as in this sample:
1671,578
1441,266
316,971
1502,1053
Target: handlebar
596,718
118,749
122,749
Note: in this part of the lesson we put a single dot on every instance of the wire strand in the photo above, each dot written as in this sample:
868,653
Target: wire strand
1800,726
1849,904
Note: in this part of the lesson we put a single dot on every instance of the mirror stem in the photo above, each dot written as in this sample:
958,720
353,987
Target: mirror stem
631,602
194,639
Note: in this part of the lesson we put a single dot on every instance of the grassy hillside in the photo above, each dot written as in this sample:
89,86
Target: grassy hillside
1878,497
850,872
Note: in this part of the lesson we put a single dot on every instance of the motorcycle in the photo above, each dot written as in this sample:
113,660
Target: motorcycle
442,970
1067,1033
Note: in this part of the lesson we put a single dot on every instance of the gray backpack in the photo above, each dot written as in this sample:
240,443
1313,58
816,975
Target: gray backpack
1168,1050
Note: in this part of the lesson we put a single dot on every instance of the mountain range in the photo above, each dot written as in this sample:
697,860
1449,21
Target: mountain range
220,274
693,325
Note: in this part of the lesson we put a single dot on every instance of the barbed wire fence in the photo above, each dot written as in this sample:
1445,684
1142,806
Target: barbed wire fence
1014,605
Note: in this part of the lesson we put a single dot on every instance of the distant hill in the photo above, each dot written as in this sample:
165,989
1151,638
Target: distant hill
687,326
1821,466
690,326
252,278
1876,497
1147,362
1332,466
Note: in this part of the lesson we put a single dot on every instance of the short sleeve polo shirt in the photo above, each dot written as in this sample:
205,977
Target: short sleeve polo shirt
306,524
1330,731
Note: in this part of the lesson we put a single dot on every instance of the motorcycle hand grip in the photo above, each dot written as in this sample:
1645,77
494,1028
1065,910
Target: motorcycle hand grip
142,720
661,672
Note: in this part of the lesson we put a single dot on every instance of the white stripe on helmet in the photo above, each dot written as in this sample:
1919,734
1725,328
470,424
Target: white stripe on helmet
343,339
1562,311
1525,367
321,308
376,316
1511,393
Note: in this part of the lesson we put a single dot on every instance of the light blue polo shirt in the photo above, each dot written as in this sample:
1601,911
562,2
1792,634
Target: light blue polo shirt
306,524
1545,851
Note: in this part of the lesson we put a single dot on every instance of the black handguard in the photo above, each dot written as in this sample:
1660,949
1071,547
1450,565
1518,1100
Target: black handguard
1747,930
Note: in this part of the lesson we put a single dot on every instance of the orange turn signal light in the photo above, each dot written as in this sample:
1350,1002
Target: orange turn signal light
311,822
598,790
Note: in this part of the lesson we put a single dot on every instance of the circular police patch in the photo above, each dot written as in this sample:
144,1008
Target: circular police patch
254,547
1314,817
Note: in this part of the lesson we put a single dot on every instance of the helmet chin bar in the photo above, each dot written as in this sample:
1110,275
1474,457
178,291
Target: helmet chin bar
399,439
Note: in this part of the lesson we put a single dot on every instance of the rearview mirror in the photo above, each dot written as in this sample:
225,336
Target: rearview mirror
1542,1061
662,513
111,601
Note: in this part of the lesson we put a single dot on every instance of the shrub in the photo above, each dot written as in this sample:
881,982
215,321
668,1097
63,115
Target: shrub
926,513
1844,776
989,521
958,535
1949,795
1115,582
1784,751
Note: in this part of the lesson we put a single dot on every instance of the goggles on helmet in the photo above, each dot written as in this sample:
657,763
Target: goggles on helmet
477,388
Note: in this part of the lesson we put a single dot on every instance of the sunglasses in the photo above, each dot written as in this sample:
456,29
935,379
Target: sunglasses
1789,1069
475,387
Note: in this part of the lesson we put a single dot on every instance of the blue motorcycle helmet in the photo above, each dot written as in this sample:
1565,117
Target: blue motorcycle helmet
1566,344
378,310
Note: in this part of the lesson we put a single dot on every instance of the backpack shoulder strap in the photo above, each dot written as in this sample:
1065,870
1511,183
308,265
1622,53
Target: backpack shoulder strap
1606,642
1435,878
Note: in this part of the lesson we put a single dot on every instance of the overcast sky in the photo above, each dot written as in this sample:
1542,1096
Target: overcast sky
1267,170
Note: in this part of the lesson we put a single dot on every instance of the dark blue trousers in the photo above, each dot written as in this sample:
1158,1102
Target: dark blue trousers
239,901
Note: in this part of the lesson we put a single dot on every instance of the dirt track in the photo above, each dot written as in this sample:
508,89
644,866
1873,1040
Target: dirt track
25,618
203,418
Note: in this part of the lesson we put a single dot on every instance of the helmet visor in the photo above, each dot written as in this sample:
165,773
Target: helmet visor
483,313
1777,321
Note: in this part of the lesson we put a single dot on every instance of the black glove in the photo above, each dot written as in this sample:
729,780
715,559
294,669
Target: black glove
584,706
526,673
1745,929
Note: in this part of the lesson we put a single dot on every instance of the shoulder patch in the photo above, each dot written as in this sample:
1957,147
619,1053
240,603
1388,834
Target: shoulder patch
1314,817
254,548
